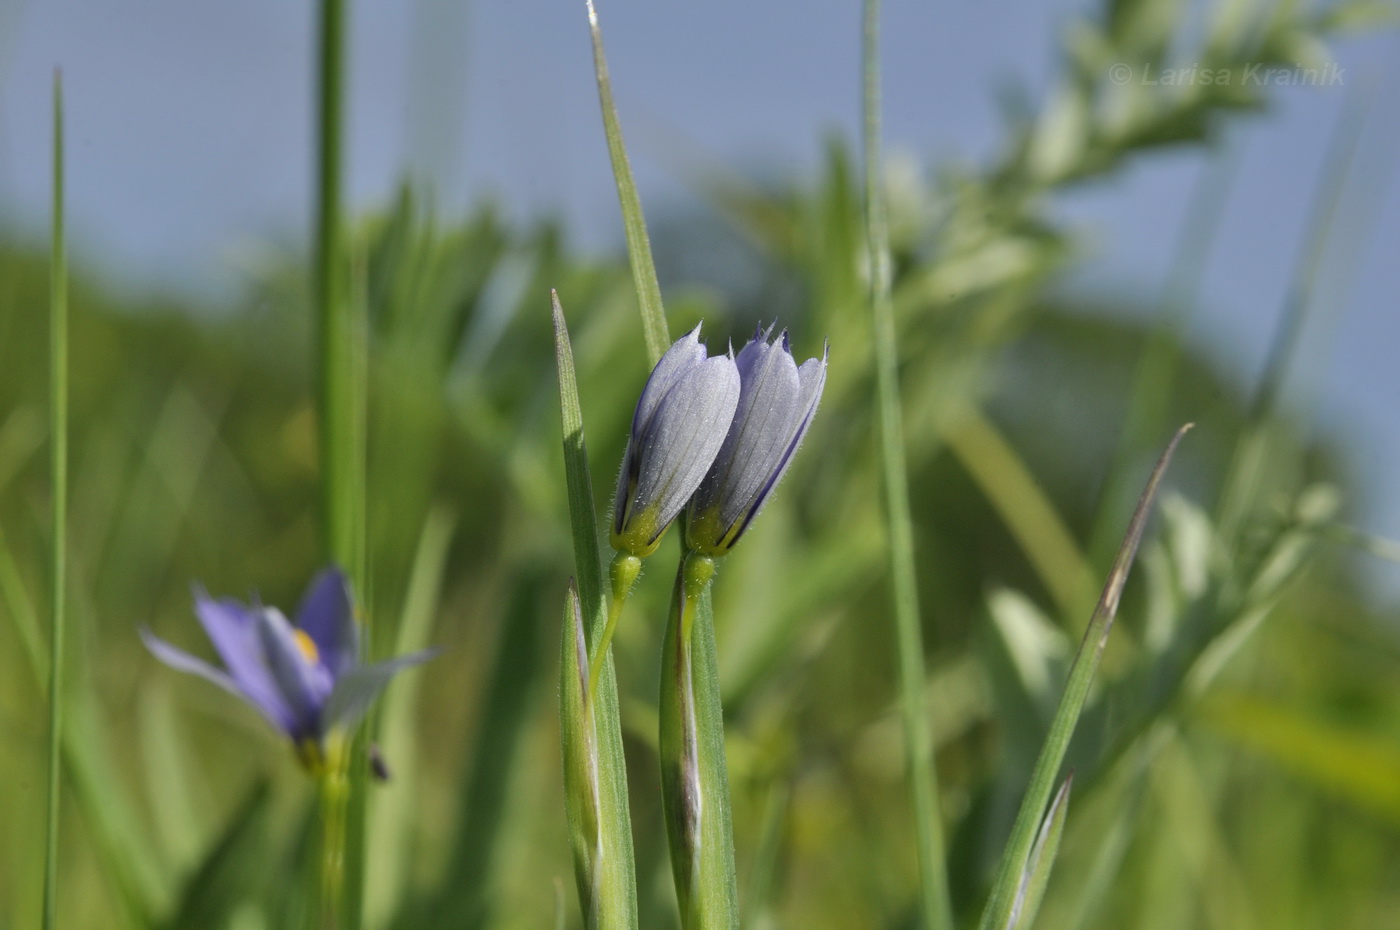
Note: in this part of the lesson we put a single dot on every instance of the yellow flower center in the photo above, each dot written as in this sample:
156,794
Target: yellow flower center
307,647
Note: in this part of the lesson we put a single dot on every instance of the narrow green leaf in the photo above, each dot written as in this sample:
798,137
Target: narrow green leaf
1036,875
935,909
595,769
483,820
1081,675
1022,504
654,327
341,405
391,812
1362,767
58,566
694,776
226,875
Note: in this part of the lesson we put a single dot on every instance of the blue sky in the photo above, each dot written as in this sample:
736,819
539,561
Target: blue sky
190,141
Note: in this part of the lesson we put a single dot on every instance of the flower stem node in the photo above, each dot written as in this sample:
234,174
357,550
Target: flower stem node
680,423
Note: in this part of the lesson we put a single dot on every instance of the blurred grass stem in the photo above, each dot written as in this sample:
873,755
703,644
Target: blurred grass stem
340,394
58,435
935,906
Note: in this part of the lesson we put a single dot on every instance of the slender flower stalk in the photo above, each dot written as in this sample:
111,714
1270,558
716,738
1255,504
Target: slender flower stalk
694,774
58,404
935,907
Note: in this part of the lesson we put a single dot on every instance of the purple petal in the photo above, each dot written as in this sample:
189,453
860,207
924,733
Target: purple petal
302,684
812,379
327,615
357,688
762,429
684,437
678,402
233,631
182,661
685,353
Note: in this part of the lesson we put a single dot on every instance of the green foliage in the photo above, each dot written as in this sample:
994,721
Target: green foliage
1232,756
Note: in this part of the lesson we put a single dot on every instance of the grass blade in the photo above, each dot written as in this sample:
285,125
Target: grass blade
935,906
654,327
341,402
58,436
1037,872
1081,675
335,326
391,813
595,770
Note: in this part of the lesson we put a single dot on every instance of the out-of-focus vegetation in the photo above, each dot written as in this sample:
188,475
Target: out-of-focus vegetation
1239,766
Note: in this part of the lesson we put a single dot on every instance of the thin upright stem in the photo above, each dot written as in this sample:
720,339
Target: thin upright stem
935,907
58,433
334,789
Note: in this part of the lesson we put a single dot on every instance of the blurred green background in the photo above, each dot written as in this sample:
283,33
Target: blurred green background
1239,766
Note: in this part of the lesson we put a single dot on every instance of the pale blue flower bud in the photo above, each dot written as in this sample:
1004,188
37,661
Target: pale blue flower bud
776,403
679,426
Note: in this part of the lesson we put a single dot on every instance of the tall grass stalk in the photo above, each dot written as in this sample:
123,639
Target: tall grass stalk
340,395
654,328
58,439
935,905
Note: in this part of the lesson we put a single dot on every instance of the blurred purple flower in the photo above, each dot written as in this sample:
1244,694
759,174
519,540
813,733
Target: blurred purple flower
678,427
307,679
777,401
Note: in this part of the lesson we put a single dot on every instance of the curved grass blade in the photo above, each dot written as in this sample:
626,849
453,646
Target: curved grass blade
935,907
58,433
595,770
654,327
1036,875
1002,902
694,776
225,877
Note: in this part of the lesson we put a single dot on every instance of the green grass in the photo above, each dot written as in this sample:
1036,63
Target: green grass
58,527
914,578
936,908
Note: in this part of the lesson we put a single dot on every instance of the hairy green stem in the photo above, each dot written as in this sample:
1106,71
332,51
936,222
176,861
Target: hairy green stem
623,574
